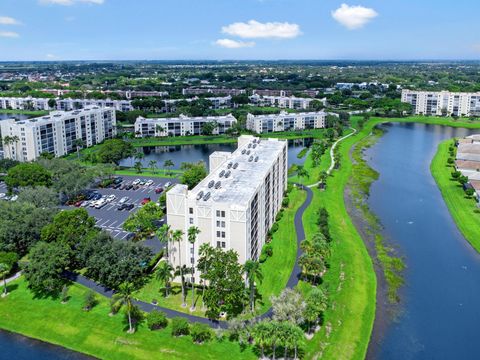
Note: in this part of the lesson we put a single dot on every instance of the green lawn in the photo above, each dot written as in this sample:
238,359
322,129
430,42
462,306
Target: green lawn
98,334
460,207
350,280
24,112
147,172
183,140
276,270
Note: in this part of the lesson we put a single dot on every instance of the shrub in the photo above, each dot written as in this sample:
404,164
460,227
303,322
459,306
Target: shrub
201,333
156,320
274,228
115,306
180,327
285,202
90,301
279,215
456,174
450,160
64,294
268,249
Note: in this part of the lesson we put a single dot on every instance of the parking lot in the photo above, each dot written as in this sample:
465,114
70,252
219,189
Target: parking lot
110,219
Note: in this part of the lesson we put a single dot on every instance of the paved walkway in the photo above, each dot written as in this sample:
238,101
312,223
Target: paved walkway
292,281
332,155
13,277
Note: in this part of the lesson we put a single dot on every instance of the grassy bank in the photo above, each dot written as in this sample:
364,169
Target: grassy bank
24,112
98,334
359,187
350,280
461,208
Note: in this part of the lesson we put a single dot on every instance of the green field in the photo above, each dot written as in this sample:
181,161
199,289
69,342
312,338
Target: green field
461,208
98,334
24,112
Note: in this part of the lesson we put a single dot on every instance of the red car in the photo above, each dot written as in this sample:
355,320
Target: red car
158,190
78,203
146,200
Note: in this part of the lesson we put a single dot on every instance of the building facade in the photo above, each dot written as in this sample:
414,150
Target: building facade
283,102
56,133
235,206
442,103
29,103
286,121
216,91
181,126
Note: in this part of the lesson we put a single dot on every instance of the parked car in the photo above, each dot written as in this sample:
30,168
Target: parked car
97,196
146,200
123,186
111,197
2,195
116,186
120,207
158,190
168,184
129,207
136,187
14,198
79,203
123,200
85,203
149,183
101,203
142,182
130,236
136,182
118,180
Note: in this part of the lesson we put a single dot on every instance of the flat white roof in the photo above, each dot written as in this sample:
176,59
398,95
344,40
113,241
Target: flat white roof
57,115
228,117
244,180
286,114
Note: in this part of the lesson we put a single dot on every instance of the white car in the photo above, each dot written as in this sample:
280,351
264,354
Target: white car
110,198
136,182
101,203
14,198
149,183
93,203
2,195
85,203
123,200
168,184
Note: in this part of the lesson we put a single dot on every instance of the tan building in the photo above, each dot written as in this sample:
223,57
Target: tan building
235,205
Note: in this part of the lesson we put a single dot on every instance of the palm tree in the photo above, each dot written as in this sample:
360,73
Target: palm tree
205,252
301,172
138,167
253,273
124,297
159,128
193,232
164,273
153,165
78,143
168,164
165,236
178,237
4,270
261,335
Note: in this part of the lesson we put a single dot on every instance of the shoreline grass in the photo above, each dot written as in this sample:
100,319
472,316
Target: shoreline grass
24,112
460,207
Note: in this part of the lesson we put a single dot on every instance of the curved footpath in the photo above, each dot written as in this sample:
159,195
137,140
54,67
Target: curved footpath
291,283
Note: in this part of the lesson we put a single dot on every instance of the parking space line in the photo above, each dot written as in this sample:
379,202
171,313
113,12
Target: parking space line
105,223
113,223
124,236
98,220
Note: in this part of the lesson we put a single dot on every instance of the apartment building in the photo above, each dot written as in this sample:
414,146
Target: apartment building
29,103
24,103
216,91
57,132
235,205
181,126
440,103
286,121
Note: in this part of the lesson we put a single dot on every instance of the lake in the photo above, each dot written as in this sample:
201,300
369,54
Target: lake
19,347
194,153
439,313
13,116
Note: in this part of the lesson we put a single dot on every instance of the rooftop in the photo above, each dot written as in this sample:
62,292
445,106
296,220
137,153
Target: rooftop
56,115
182,118
287,114
238,178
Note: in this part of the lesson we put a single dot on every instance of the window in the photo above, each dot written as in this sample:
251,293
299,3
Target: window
192,260
223,244
220,213
191,221
190,210
220,224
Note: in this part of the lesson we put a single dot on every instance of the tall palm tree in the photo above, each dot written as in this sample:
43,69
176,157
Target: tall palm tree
78,143
153,165
159,128
4,270
205,252
168,164
164,273
193,232
178,237
165,236
253,273
124,297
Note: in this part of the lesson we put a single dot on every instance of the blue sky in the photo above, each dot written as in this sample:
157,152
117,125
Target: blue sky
238,29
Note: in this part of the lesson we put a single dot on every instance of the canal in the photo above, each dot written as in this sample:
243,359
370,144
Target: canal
439,312
193,153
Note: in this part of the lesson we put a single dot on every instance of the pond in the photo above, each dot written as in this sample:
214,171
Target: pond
439,312
18,347
194,153
13,116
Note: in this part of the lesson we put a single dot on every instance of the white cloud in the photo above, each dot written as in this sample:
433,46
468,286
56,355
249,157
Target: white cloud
51,56
6,20
354,17
70,2
234,44
9,34
254,29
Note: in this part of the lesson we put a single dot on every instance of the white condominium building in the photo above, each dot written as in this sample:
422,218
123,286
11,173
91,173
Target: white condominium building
29,103
24,103
442,102
284,102
235,205
56,133
286,121
181,126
